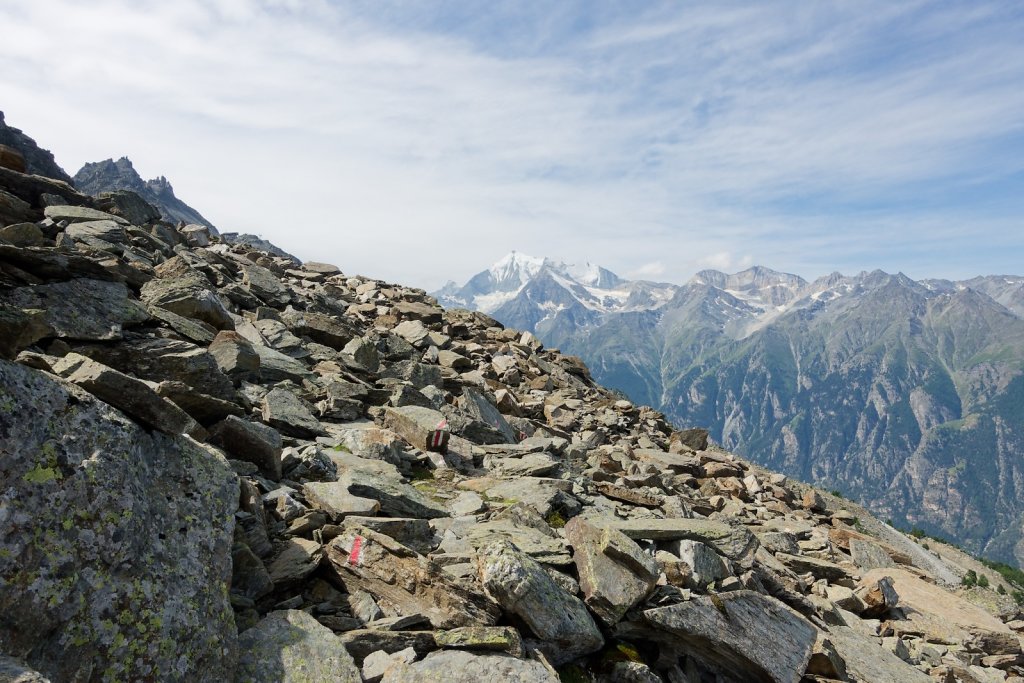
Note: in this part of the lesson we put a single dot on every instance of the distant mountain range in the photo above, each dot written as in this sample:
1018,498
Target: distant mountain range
110,175
906,396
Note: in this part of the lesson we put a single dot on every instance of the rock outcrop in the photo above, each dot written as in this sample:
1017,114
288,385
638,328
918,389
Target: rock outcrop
218,464
108,179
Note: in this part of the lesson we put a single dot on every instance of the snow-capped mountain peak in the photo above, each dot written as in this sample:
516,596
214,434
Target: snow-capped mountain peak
548,287
516,268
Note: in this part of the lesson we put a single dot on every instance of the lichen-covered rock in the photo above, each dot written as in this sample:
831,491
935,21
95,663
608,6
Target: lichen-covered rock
290,646
522,587
132,396
80,309
457,666
115,543
615,574
495,638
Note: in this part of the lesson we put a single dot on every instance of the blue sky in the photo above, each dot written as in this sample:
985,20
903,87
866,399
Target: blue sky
420,141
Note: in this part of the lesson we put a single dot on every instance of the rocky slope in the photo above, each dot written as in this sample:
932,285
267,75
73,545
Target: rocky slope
219,465
902,394
111,176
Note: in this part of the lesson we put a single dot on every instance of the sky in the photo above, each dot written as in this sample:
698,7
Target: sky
419,141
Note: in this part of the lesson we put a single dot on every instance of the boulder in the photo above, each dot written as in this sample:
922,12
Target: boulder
79,214
80,309
733,541
543,547
290,646
821,569
479,408
456,666
930,611
397,499
333,331
19,329
561,622
250,441
868,555
190,296
159,360
546,496
493,638
704,564
235,356
696,438
203,408
293,561
129,395
264,284
190,328
276,366
286,412
750,636
867,661
102,235
404,582
415,310
129,206
25,235
615,574
879,597
114,540
334,500
423,428
249,578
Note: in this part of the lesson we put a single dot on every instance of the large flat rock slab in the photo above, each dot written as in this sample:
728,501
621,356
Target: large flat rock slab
129,395
867,661
81,309
734,541
933,612
747,635
405,583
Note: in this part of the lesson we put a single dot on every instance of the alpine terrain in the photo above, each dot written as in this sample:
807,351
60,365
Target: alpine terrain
907,396
219,464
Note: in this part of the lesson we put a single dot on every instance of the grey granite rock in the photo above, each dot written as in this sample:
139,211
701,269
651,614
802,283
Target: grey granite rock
80,309
615,574
561,622
113,541
751,636
290,646
457,666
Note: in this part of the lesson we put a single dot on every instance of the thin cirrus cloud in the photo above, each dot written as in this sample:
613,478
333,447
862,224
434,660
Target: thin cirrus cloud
419,141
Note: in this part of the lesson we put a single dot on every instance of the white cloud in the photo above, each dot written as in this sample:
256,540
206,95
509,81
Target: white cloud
398,145
648,271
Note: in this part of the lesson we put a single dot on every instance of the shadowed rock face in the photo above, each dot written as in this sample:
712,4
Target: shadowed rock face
418,492
37,160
